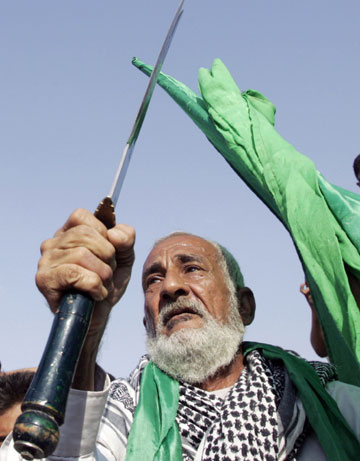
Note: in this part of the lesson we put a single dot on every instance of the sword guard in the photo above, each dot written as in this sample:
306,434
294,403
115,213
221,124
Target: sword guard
105,212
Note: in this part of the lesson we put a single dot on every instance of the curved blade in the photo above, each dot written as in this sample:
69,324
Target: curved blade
126,155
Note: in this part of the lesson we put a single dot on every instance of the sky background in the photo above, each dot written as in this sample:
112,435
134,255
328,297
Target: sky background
68,99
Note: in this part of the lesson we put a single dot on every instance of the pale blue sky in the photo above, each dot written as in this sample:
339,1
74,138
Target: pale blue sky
68,98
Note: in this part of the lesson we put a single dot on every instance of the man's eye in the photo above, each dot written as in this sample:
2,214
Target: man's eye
152,280
192,268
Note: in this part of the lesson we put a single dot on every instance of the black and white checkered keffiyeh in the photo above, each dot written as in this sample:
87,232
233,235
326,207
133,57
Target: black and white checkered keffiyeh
260,418
244,425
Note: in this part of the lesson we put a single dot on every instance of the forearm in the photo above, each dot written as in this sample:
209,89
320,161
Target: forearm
84,378
85,374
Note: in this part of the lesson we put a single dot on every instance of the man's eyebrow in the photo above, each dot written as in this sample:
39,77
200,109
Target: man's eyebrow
186,258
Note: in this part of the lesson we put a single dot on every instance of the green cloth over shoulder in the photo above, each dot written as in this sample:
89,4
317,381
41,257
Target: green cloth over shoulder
154,435
323,220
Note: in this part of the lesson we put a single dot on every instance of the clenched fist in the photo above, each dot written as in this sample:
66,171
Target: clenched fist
85,256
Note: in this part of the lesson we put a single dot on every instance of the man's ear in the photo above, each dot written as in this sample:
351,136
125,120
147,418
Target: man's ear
247,305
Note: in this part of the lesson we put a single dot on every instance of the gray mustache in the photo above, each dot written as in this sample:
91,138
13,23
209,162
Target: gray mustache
180,306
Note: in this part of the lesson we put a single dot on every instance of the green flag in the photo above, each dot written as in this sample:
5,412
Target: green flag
323,220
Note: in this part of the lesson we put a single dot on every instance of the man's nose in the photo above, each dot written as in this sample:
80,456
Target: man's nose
173,286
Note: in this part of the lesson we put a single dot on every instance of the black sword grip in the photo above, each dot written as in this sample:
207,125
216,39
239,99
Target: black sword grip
36,431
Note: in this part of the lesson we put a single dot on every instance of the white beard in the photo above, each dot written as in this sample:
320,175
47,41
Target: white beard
193,355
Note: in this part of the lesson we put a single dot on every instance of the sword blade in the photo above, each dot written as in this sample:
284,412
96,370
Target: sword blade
105,211
128,150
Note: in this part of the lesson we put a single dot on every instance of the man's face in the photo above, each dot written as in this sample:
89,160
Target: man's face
191,312
7,421
184,267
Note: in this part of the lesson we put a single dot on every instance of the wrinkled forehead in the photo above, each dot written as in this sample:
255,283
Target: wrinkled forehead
183,244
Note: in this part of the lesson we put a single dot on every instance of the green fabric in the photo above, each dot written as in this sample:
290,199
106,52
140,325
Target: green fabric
346,207
233,268
335,436
323,220
154,435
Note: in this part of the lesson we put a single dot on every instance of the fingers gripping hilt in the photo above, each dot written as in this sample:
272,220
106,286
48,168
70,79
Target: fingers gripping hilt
36,432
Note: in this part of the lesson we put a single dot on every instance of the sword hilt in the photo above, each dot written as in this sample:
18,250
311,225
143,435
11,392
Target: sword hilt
36,431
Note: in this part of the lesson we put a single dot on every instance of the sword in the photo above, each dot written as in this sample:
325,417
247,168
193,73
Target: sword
36,431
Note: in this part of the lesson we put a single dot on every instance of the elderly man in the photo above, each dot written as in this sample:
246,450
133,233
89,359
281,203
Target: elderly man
202,393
